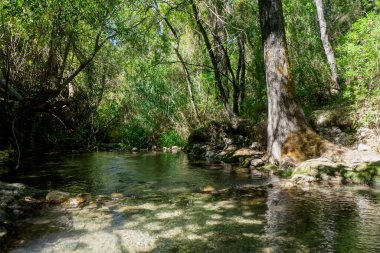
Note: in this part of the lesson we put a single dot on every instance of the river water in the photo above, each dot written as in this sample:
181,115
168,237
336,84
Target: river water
152,202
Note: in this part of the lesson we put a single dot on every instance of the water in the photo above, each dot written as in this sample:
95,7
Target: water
164,211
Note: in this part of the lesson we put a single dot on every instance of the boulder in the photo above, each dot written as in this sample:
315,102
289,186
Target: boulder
57,197
315,167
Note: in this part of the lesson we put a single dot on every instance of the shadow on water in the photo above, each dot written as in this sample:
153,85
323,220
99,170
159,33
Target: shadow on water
165,211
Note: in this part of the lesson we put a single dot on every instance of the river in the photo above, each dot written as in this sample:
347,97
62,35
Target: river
152,202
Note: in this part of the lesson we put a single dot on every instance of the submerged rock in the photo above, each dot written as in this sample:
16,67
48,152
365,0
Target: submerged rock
208,189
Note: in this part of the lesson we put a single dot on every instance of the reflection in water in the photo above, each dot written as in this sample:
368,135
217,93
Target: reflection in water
163,210
323,220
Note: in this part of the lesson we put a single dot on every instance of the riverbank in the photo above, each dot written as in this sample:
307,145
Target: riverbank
244,148
16,202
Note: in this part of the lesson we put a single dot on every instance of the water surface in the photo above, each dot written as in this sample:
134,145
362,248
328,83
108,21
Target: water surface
163,210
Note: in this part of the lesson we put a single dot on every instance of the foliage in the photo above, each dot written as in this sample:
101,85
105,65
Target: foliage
171,138
360,60
89,71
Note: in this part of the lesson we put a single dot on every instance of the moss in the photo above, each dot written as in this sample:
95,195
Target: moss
245,163
376,181
302,145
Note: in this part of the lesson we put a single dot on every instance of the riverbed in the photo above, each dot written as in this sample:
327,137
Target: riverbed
153,202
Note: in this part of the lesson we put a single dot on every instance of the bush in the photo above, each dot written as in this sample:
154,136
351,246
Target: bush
171,138
359,60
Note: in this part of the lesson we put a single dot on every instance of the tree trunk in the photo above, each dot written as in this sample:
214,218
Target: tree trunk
286,120
326,45
182,61
240,73
217,75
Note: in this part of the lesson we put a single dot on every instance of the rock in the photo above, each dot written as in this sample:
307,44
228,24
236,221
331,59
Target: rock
228,141
210,154
363,147
135,149
337,117
345,139
289,184
117,195
303,179
246,152
255,145
72,202
257,163
101,197
230,148
198,150
314,167
208,189
57,197
78,200
227,157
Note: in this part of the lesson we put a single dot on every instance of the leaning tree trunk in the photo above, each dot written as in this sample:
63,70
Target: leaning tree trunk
287,127
217,75
326,45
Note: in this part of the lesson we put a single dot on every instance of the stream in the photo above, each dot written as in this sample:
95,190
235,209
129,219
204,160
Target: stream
152,202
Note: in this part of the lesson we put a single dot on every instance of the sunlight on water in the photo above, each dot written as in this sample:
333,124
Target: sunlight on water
162,209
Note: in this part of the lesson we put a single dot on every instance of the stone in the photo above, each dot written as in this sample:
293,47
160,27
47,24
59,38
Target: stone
175,148
208,189
255,145
257,163
117,195
314,167
230,148
135,149
198,150
210,154
303,179
246,152
289,184
57,197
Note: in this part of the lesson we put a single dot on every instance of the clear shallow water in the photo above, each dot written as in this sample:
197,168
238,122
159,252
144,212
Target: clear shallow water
163,210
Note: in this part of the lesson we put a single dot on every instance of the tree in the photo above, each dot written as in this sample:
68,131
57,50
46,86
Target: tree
326,44
286,119
218,76
181,59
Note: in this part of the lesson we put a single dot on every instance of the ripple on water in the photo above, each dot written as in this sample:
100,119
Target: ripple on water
168,214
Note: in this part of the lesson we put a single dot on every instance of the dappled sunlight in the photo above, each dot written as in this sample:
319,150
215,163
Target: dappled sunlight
208,217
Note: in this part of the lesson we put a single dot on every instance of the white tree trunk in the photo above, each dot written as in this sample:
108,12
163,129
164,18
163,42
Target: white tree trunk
326,44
